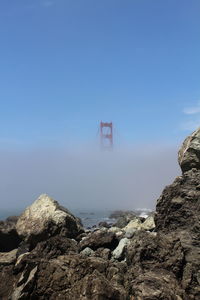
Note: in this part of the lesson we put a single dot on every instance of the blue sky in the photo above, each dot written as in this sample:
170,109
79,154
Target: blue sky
67,64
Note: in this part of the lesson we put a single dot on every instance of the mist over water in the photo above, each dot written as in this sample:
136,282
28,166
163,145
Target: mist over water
87,179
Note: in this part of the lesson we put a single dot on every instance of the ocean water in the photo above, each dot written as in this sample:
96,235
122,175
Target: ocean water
89,218
93,218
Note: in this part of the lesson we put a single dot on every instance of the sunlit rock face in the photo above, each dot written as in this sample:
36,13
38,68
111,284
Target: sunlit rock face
178,214
46,218
189,153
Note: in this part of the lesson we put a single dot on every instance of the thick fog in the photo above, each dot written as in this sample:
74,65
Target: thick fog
127,178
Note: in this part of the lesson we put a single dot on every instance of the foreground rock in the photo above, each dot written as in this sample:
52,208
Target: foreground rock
189,153
46,218
70,277
182,200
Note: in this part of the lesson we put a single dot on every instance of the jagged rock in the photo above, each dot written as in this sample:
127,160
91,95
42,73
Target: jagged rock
19,262
70,277
178,213
7,258
104,253
154,266
7,280
148,252
178,207
149,223
189,153
9,238
99,239
46,218
134,224
153,285
119,251
56,246
24,284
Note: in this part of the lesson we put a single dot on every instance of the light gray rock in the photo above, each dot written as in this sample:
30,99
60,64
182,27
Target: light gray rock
129,233
87,251
118,252
134,224
114,229
20,258
149,223
189,153
7,258
46,218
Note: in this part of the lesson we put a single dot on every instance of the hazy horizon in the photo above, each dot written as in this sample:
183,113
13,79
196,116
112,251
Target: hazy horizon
86,178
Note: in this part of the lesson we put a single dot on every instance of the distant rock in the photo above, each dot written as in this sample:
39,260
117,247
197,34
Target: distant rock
122,214
46,218
104,224
189,153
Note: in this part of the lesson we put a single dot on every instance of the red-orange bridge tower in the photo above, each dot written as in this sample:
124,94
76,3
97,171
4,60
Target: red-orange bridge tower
106,135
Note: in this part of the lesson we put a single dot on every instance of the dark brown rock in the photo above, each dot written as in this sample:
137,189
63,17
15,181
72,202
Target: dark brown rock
9,238
55,246
69,277
178,214
99,239
179,205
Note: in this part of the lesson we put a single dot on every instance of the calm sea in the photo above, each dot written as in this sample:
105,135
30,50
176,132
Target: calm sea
88,218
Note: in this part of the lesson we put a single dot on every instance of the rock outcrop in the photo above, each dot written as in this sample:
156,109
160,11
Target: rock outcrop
46,218
189,153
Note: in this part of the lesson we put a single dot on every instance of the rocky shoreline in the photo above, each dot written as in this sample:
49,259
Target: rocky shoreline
47,254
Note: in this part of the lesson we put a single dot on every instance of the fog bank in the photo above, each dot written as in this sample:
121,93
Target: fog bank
128,178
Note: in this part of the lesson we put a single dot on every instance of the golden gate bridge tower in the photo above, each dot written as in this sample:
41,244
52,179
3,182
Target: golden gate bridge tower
106,135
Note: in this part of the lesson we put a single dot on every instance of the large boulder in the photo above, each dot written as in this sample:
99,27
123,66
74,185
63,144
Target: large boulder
189,153
46,218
